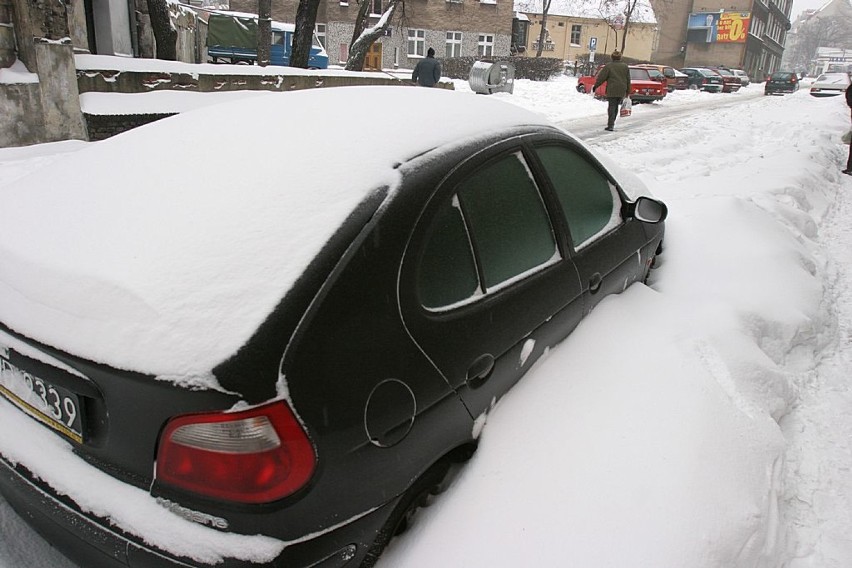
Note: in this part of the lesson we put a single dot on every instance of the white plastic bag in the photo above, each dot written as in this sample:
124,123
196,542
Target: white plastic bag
847,137
626,107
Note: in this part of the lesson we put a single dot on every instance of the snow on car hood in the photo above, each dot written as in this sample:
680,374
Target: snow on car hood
161,250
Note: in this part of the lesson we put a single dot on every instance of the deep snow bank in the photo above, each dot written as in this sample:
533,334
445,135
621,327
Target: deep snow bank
651,436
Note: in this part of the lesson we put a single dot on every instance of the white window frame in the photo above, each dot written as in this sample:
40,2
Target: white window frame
454,44
579,29
485,45
416,44
320,30
373,4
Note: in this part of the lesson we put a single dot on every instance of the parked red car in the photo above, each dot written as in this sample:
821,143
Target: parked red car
643,89
674,78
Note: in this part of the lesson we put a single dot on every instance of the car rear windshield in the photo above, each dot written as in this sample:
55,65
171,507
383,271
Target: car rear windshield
639,74
781,76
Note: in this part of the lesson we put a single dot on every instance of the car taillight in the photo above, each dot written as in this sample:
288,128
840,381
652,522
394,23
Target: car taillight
252,456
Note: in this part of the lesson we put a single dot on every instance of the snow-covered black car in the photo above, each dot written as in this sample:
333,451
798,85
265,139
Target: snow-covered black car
267,357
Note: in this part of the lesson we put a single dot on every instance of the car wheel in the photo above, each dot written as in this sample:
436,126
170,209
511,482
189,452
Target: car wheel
421,494
693,87
581,89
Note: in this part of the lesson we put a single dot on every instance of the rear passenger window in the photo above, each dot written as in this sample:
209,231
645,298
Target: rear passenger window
447,270
589,201
496,220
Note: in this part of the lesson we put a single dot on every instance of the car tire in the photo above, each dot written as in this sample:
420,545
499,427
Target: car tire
581,89
421,494
693,87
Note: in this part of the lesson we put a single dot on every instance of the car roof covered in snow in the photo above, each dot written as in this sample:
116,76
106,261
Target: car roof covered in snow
162,249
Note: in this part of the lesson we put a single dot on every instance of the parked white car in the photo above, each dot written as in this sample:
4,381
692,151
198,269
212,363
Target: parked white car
742,75
830,84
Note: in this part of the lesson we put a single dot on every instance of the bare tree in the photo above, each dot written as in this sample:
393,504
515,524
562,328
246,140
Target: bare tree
817,32
306,19
361,45
629,11
542,36
264,31
165,36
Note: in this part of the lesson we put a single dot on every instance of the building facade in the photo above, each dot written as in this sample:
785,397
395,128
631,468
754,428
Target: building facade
572,38
453,28
744,34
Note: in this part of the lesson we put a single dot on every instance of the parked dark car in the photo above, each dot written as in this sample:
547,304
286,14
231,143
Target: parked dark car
781,82
291,344
731,83
704,79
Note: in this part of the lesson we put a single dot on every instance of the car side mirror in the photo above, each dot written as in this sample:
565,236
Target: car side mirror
649,210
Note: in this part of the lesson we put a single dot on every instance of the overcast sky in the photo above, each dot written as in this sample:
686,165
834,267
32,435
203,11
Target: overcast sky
801,5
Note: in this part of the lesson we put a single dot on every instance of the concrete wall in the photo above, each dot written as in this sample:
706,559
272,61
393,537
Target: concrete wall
47,111
111,81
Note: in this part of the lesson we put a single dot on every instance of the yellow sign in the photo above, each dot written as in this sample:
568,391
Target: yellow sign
733,27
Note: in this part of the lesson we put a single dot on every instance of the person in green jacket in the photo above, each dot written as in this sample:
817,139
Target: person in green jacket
616,75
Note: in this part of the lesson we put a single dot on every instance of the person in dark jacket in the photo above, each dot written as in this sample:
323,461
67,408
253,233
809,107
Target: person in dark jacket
848,170
616,75
427,72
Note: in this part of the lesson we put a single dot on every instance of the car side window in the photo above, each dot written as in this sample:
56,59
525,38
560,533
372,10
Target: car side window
508,222
590,203
447,270
497,217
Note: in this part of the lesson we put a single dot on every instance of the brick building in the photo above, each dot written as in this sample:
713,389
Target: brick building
452,27
745,34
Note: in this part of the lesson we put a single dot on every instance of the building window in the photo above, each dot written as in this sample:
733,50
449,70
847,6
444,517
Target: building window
416,43
375,7
454,44
344,52
320,29
486,45
576,30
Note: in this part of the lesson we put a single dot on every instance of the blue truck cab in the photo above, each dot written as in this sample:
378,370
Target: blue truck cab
232,38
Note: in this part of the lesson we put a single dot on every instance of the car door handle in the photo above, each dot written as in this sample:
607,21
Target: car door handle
595,282
480,369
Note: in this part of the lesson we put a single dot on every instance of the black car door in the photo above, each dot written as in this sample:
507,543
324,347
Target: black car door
485,284
605,247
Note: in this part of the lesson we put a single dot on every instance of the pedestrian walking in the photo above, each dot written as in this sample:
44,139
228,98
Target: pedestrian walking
848,170
427,72
616,75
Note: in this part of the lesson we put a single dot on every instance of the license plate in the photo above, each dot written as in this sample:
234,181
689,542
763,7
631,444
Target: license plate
55,406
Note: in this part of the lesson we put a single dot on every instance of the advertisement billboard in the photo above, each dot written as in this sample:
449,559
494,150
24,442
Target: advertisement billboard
718,27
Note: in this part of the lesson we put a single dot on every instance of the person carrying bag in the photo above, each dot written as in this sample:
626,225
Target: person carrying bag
616,75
